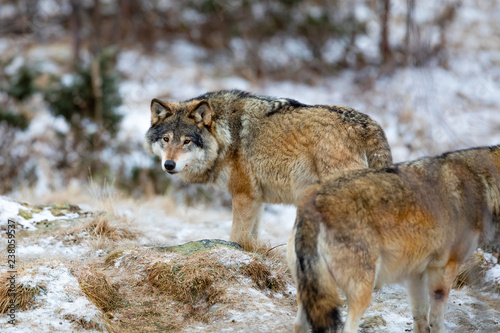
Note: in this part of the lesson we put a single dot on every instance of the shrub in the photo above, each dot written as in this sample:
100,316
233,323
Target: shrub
76,98
12,119
21,84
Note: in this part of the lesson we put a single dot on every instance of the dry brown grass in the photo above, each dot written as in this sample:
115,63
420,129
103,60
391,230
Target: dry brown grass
104,225
472,273
196,281
113,256
263,277
24,295
98,289
103,230
95,325
199,280
257,246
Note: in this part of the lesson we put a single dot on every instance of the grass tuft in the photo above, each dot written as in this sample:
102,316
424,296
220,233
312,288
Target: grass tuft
473,273
196,281
256,246
85,324
262,276
98,290
101,226
24,295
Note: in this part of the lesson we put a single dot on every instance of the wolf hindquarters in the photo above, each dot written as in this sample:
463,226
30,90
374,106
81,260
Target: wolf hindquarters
415,221
324,261
317,279
317,295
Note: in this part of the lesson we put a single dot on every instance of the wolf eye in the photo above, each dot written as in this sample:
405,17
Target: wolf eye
165,138
187,141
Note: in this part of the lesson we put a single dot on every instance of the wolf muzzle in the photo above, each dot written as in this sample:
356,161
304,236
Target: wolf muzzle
169,165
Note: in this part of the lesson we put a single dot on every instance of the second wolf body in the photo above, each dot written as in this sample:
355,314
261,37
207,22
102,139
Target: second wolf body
416,221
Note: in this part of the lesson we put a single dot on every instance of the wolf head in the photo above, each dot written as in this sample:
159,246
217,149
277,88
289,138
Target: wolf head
182,135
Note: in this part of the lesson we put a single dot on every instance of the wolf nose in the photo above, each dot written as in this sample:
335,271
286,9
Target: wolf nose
169,165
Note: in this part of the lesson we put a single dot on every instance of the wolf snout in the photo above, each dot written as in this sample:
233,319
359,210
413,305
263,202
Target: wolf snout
169,165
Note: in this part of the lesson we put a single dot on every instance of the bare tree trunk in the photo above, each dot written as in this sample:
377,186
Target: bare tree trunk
97,89
410,31
95,38
443,21
95,48
76,24
385,48
30,15
126,20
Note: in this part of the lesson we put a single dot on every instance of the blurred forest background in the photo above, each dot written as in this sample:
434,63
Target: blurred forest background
63,96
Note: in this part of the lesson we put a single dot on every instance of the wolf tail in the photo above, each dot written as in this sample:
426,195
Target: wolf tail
316,288
378,152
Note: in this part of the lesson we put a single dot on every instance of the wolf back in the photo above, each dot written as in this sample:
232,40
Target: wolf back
415,221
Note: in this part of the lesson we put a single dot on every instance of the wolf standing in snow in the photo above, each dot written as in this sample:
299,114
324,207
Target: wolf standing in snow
415,221
261,149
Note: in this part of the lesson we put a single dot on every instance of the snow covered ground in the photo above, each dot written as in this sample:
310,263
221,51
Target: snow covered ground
49,260
425,110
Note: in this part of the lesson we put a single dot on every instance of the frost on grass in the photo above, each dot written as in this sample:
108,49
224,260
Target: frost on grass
200,280
98,289
492,268
481,271
59,305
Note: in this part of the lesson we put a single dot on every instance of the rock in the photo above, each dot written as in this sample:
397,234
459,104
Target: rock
25,214
197,246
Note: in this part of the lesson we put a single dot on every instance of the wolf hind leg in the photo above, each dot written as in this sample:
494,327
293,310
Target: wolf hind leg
359,295
417,289
301,324
440,281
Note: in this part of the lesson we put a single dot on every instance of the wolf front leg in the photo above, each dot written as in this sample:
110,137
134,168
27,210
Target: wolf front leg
439,284
247,212
417,288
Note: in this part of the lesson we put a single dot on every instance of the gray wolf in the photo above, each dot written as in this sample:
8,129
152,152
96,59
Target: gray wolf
261,149
415,221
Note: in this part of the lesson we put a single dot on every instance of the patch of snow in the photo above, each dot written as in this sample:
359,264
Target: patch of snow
493,273
231,257
60,299
68,80
7,11
4,42
333,50
186,53
61,125
9,209
258,313
31,250
14,66
362,12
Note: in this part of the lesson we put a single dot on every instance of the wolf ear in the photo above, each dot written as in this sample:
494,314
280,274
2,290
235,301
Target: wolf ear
202,114
160,110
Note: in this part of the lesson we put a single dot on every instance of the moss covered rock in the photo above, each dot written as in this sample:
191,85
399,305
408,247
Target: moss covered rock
198,246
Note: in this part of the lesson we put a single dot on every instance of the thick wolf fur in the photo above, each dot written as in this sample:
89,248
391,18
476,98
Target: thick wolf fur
416,221
261,149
